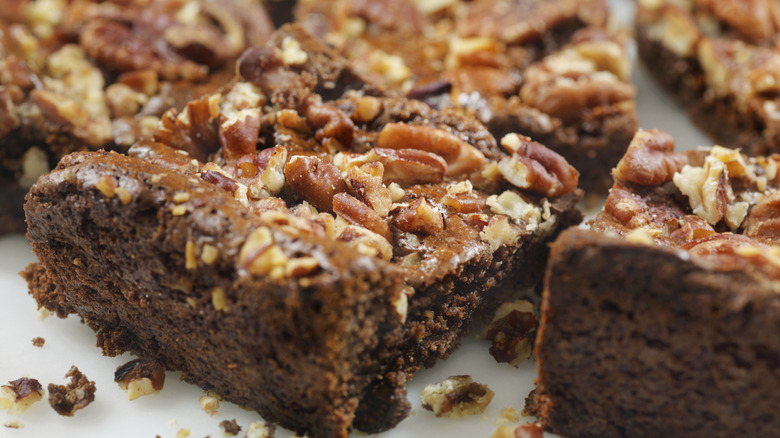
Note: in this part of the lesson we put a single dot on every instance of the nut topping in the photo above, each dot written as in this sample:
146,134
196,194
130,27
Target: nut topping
763,221
538,169
512,332
368,187
650,159
461,157
420,217
140,377
79,393
357,213
315,180
409,166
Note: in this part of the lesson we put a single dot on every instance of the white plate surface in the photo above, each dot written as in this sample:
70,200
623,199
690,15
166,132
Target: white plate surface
68,342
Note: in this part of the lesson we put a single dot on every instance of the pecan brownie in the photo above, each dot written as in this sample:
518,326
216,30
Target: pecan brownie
85,75
662,318
300,243
720,60
546,69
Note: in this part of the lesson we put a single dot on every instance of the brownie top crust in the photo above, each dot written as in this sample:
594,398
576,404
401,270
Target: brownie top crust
715,203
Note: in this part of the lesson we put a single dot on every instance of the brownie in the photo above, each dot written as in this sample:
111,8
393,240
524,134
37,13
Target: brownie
86,75
720,61
302,242
546,69
661,319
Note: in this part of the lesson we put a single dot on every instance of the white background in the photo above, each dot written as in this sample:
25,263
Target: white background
68,342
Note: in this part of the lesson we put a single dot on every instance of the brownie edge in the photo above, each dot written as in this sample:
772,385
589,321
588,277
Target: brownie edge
646,341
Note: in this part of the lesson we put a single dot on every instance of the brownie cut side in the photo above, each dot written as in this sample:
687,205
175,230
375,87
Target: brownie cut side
662,318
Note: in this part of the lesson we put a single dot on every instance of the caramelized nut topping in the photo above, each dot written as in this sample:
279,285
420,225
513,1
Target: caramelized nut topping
78,394
536,168
20,394
315,180
420,217
456,397
650,159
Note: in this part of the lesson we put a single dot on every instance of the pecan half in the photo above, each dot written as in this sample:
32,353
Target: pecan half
420,217
461,157
238,133
512,331
193,130
409,166
534,167
650,159
315,180
357,213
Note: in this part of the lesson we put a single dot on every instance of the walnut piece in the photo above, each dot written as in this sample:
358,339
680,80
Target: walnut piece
456,397
650,159
78,394
20,394
140,377
408,166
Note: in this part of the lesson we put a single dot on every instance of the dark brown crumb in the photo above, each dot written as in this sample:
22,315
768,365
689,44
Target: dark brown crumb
38,341
230,427
79,393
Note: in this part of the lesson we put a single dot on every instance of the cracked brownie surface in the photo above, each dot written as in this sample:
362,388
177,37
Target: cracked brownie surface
309,239
661,319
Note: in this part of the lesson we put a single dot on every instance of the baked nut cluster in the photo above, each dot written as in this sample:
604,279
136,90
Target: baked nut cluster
550,70
78,394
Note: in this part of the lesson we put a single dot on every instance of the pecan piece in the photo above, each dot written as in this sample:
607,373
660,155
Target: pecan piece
329,122
140,377
512,332
238,133
20,394
367,186
8,118
193,130
456,397
409,166
357,213
650,159
534,167
315,180
420,217
763,221
461,157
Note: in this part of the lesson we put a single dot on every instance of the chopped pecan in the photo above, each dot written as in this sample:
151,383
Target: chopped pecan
20,394
534,167
140,377
456,397
62,113
754,19
366,241
193,130
650,159
400,15
512,331
330,122
368,187
357,213
420,217
709,192
238,133
528,430
763,221
461,157
315,180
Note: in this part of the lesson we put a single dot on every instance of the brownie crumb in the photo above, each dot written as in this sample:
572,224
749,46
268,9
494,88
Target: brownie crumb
456,397
38,341
528,430
231,428
78,394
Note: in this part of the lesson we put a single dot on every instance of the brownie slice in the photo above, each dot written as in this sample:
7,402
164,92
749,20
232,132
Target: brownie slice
396,226
87,75
546,69
662,318
720,61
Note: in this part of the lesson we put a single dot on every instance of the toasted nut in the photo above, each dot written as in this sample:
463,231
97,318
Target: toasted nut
107,186
512,331
536,168
271,180
238,133
209,404
302,266
409,166
366,242
330,122
461,157
358,213
650,159
140,377
367,109
78,394
20,394
763,221
499,231
261,256
456,397
34,164
315,180
292,54
420,217
529,430
219,300
511,204
368,187
209,254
